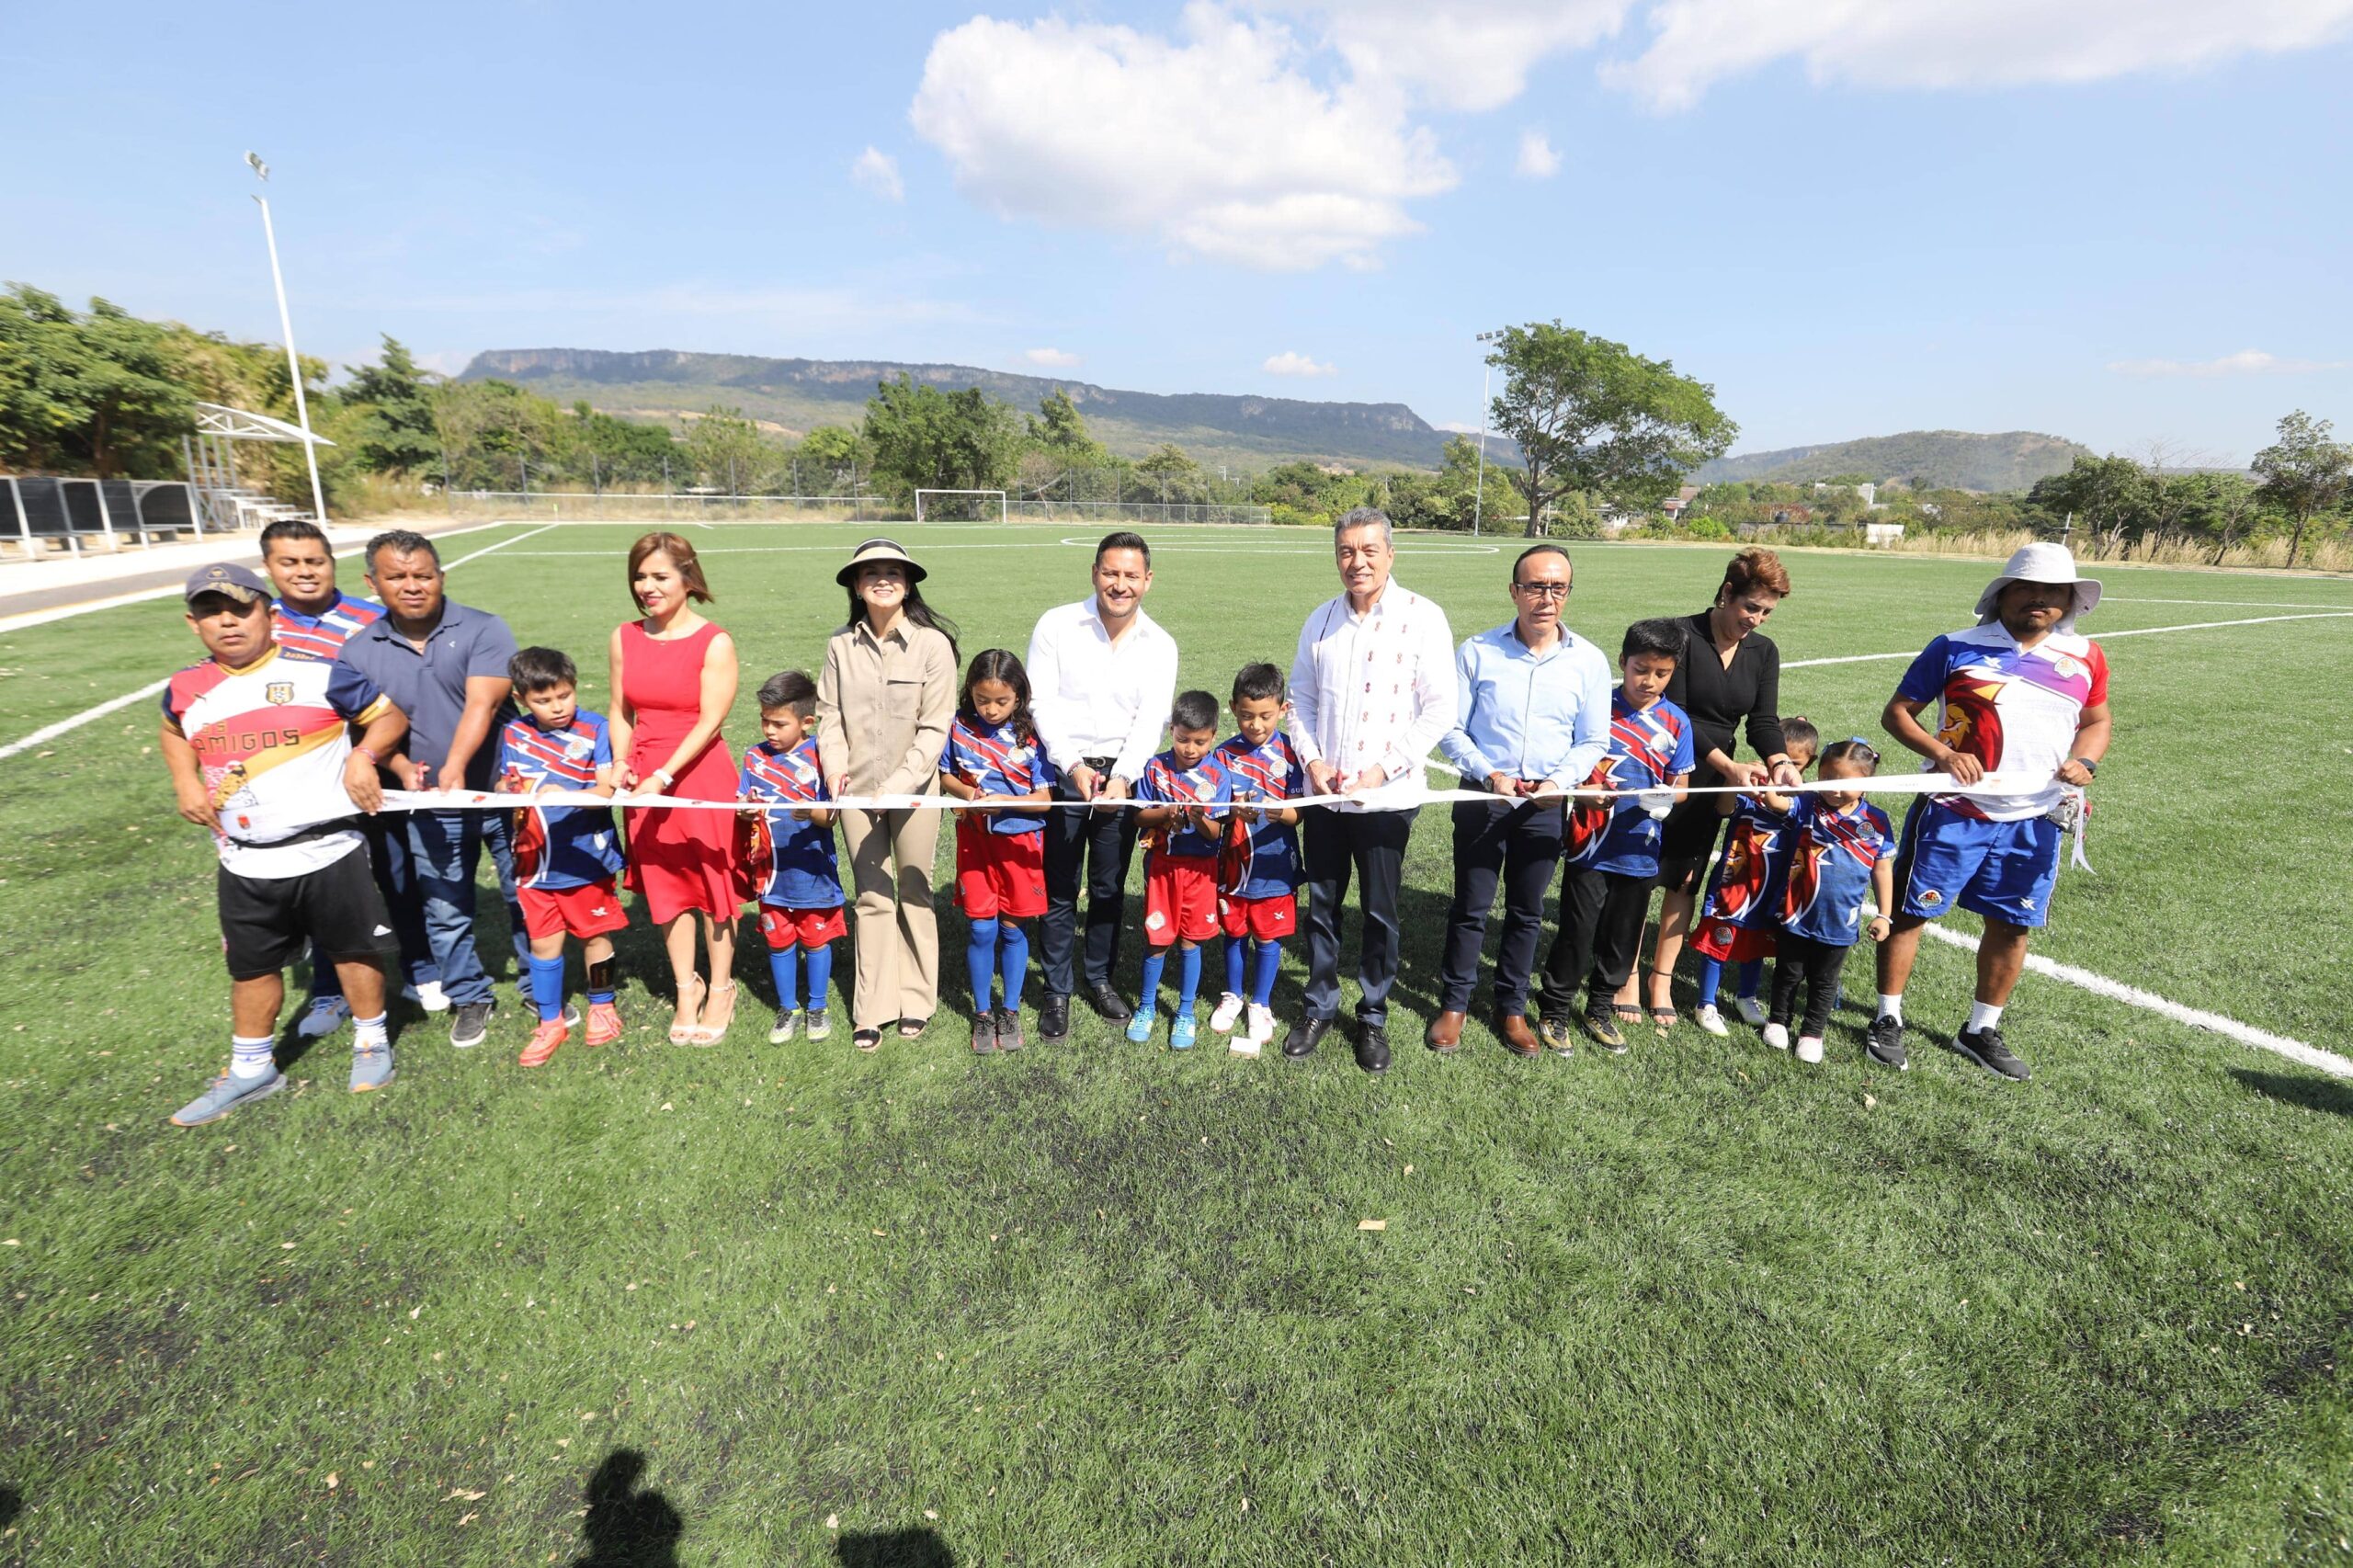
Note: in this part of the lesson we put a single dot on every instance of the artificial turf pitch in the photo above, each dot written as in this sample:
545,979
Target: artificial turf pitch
1101,1304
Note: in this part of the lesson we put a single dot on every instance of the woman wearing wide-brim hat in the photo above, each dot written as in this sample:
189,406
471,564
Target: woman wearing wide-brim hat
884,699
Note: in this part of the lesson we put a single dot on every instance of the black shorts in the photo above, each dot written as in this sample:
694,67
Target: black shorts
267,921
1686,840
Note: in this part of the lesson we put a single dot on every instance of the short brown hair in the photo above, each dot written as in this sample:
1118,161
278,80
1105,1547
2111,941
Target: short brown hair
682,556
1752,569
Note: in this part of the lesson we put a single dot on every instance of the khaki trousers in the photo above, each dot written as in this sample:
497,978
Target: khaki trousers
891,856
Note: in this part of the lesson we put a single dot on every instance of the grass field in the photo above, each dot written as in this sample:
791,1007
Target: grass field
1101,1304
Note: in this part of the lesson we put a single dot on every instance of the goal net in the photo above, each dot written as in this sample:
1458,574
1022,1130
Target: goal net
959,506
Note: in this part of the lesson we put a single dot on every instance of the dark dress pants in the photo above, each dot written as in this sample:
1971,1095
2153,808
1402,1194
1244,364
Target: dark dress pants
1516,842
1372,844
1093,847
1601,930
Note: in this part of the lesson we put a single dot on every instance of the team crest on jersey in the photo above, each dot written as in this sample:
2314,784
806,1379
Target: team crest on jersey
2069,666
279,691
1932,896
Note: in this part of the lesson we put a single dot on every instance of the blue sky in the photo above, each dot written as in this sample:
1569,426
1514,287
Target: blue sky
2116,222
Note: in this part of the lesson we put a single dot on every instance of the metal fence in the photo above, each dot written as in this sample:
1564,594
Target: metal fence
688,507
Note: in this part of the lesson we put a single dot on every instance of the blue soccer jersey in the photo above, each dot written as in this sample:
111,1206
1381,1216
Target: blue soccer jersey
1744,889
995,760
561,846
1263,862
321,636
1207,782
1831,858
786,861
2015,709
1649,748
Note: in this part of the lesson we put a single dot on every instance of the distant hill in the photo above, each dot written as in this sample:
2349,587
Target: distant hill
1944,459
803,393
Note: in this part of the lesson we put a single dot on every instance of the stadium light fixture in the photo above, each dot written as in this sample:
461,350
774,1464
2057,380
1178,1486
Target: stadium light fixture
286,324
1479,487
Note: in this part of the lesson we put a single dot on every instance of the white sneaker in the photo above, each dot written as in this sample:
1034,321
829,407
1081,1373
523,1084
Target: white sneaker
1751,1010
427,996
328,1014
1809,1048
1777,1036
1261,1024
1710,1020
1229,1007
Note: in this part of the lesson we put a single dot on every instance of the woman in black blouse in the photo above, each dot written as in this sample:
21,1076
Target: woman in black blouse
1729,672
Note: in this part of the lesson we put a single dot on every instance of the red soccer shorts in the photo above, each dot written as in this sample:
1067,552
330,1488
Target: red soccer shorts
1727,943
800,927
1179,899
591,911
1000,873
1260,919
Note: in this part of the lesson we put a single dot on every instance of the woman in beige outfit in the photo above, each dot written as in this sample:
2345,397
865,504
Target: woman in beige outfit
884,699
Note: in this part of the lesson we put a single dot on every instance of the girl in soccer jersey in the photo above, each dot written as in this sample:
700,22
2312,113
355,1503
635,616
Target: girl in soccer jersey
1842,849
994,752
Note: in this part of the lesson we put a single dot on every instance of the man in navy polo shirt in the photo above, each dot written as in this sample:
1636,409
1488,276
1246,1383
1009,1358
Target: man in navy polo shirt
445,664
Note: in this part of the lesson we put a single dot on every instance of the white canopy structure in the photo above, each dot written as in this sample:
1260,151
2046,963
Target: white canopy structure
212,464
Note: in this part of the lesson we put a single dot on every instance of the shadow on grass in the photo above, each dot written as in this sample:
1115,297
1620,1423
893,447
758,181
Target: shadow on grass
2312,1094
12,1503
893,1549
627,1527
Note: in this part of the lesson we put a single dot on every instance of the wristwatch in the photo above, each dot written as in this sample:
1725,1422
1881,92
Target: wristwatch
2089,766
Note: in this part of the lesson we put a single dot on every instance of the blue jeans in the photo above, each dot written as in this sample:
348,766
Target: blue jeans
498,837
444,848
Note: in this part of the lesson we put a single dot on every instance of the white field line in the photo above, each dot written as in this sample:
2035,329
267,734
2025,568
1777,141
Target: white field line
493,549
1465,550
2101,636
2296,1050
2222,604
43,736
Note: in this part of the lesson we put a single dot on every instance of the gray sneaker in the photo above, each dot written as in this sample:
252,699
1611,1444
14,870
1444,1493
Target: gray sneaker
787,1019
816,1023
324,1017
470,1024
227,1092
371,1067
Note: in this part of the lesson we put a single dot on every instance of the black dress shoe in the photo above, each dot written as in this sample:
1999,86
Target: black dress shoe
1302,1041
1053,1018
1107,1003
1372,1047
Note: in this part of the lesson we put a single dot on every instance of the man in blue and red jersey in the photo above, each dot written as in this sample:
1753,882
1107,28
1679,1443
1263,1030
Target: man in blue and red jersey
259,748
310,619
2019,693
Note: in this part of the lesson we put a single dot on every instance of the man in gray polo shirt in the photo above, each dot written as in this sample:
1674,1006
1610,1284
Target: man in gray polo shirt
445,664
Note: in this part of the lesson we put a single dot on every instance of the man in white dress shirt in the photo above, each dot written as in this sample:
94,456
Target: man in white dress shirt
1372,691
1102,678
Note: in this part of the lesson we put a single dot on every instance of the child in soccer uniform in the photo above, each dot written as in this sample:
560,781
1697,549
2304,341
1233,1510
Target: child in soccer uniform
1612,852
787,854
994,752
1259,872
1186,786
1742,910
566,858
1842,848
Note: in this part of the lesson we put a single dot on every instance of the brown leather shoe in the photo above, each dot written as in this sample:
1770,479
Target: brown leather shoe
1517,1038
1445,1032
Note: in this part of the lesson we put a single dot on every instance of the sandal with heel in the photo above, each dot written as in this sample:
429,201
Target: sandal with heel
684,1033
707,1032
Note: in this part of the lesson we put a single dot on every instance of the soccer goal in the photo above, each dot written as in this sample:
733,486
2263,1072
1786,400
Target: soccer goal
959,506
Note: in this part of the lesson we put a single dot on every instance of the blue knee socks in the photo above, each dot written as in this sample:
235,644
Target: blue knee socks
1189,977
1234,965
547,986
820,974
1752,977
1154,959
1262,978
980,961
1012,961
784,968
1711,975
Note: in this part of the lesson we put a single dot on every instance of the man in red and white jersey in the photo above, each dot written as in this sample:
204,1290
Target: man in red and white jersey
2019,693
259,747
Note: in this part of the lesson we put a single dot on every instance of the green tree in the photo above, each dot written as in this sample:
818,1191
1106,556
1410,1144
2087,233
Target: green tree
922,438
392,429
87,393
1172,470
1059,430
2110,498
728,452
2305,473
1593,415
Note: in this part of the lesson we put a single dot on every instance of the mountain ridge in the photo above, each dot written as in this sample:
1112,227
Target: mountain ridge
1959,459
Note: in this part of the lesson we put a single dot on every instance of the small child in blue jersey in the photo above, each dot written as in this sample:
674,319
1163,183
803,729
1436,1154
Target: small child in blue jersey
1187,787
1741,914
992,750
566,858
1611,851
786,855
1842,848
1258,901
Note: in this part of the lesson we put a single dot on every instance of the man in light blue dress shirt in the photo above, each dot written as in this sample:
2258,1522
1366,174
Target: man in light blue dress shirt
1532,720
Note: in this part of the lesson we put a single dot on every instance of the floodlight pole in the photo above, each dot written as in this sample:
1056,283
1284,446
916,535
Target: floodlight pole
293,363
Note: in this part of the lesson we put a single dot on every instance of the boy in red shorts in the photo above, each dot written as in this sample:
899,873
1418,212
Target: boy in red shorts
1742,912
1258,904
566,858
788,855
1185,786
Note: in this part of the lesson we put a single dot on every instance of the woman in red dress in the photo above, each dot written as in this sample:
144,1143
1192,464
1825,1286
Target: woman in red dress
674,678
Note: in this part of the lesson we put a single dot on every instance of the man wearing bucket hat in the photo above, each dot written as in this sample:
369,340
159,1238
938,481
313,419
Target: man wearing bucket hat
2019,693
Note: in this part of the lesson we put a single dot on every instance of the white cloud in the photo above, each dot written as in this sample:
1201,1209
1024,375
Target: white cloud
1538,160
1959,43
1060,359
1291,363
1217,141
2245,362
1464,55
878,172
